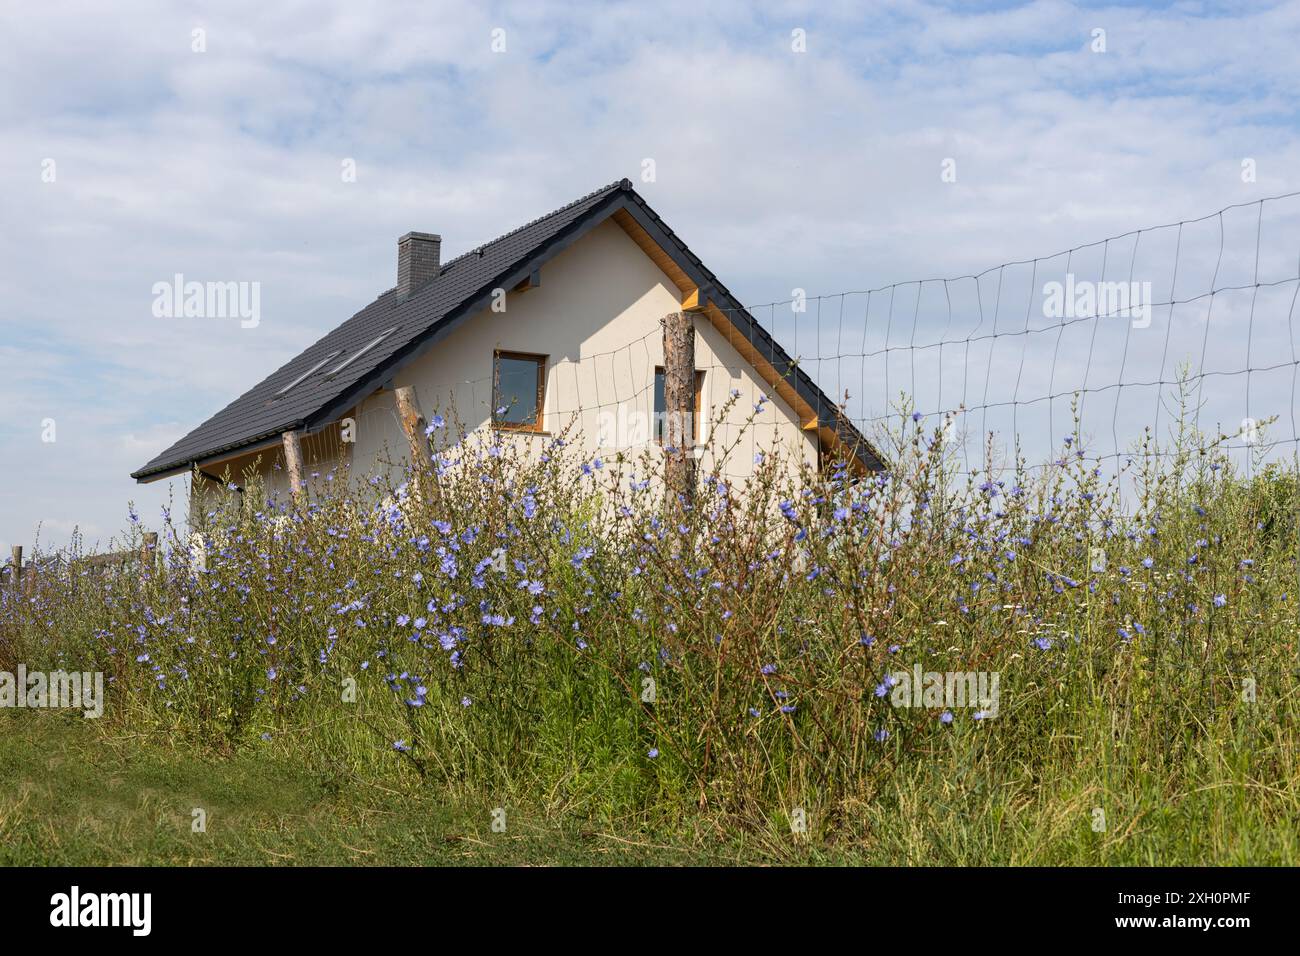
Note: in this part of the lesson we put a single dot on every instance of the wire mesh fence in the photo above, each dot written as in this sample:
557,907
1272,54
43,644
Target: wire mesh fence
1094,344
1107,331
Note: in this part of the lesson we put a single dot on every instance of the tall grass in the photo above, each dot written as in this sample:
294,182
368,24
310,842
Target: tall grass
551,631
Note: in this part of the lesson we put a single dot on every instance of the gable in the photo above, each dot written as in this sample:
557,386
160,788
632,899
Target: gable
593,323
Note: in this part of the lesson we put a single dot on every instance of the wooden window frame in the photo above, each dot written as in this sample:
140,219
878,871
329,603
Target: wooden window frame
695,419
541,361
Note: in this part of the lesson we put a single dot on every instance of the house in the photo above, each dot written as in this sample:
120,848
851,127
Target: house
554,326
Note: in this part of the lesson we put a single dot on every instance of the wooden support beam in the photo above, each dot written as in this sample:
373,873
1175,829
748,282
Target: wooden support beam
696,299
16,572
533,281
679,405
413,424
293,462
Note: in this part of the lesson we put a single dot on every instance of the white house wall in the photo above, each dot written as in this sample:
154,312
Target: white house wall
596,316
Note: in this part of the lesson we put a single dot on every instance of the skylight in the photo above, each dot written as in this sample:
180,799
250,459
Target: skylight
356,355
310,372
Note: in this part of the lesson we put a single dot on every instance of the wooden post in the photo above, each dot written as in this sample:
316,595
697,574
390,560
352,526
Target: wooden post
16,572
679,404
149,550
293,461
408,410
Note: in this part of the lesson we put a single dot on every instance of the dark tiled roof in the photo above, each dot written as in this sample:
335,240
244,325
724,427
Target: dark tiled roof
258,415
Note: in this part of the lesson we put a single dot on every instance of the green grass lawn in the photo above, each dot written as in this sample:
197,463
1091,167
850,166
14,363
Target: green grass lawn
72,793
72,796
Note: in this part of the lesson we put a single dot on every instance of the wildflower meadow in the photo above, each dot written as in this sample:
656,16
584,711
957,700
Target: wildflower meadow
549,638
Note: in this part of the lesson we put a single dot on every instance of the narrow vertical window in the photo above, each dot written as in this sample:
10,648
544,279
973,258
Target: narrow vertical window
661,406
518,390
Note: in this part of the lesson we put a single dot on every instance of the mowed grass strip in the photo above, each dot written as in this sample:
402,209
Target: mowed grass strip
71,795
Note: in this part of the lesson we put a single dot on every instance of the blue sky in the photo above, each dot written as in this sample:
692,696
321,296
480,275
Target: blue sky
817,170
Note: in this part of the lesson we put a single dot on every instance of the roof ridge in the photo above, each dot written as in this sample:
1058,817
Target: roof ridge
617,184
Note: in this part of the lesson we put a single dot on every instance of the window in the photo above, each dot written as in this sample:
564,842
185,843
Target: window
307,374
661,407
356,355
518,390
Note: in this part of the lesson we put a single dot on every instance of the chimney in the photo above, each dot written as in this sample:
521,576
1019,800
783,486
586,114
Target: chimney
418,255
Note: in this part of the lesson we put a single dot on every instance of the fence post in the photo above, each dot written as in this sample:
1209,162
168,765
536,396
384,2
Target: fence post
16,574
679,404
149,551
408,410
293,461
